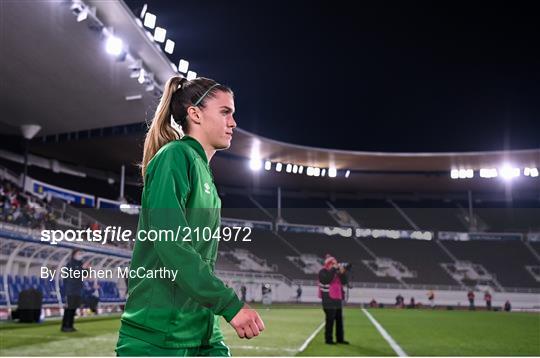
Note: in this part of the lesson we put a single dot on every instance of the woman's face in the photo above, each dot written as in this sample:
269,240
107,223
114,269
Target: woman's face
217,122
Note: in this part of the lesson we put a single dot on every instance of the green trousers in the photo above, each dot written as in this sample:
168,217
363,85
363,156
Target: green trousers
128,346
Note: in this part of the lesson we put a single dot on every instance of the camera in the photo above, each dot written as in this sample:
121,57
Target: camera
346,265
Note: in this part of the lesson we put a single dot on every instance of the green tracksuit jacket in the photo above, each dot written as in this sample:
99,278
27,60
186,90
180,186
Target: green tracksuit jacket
179,192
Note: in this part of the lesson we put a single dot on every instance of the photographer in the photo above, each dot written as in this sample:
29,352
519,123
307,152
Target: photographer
332,277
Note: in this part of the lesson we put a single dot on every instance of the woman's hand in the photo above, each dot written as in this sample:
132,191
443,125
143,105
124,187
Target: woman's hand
247,323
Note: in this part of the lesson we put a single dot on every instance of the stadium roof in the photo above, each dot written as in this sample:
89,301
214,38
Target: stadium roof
56,74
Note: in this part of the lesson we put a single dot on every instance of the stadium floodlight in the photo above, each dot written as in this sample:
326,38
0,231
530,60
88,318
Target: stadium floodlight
135,68
454,174
323,172
143,11
466,173
134,97
149,20
288,169
332,172
169,46
530,172
347,173
79,9
295,169
191,75
278,167
29,131
76,6
301,169
142,76
309,171
488,173
267,165
114,46
255,164
183,66
83,15
159,34
316,171
508,172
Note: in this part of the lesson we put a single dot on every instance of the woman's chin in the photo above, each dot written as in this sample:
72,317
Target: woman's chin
224,145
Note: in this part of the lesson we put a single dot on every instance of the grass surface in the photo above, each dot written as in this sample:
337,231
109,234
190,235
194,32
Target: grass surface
418,332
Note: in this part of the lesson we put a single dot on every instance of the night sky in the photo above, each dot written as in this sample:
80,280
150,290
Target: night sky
377,76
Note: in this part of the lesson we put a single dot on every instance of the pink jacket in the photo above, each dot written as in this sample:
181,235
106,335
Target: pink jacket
334,288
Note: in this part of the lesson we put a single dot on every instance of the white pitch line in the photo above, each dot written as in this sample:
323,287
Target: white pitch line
264,348
310,338
399,351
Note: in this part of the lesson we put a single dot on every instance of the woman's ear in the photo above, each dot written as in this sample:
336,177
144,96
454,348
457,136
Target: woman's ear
194,114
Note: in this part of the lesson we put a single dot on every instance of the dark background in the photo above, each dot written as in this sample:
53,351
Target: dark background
369,75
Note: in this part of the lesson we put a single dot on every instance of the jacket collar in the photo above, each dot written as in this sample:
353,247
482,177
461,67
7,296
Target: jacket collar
194,143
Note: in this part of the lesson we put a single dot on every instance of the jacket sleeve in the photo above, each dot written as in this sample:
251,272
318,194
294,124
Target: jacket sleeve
326,276
169,188
344,278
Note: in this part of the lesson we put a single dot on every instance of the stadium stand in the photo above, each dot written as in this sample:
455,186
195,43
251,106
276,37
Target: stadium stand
373,213
306,211
270,247
289,258
241,207
430,214
345,248
423,257
505,259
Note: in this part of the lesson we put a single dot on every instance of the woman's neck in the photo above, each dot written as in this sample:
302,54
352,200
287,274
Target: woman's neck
208,149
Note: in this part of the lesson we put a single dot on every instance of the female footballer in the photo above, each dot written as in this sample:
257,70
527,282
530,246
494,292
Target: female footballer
180,316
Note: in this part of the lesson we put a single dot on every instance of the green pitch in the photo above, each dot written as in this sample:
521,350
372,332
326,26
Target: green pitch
418,332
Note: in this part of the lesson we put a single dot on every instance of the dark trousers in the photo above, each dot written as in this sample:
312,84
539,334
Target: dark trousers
73,302
333,314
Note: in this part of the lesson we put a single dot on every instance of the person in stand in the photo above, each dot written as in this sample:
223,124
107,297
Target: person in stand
399,301
73,289
431,298
243,292
507,306
266,292
487,298
298,293
332,278
470,297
